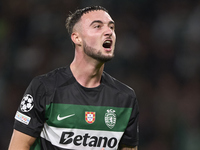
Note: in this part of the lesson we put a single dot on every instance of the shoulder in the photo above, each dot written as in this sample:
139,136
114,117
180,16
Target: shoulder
118,85
53,78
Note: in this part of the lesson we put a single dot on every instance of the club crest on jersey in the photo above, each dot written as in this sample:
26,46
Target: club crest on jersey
90,117
110,118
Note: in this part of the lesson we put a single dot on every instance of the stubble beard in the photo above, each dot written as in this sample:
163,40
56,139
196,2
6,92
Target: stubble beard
96,54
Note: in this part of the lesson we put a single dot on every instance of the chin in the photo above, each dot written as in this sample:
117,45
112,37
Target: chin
105,58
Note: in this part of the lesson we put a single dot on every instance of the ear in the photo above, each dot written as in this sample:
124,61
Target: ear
76,38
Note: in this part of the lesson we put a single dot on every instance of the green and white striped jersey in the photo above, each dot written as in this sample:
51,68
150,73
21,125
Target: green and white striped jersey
63,115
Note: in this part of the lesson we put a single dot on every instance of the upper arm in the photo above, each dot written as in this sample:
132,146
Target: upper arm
20,141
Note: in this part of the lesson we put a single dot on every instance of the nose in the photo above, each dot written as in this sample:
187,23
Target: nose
108,31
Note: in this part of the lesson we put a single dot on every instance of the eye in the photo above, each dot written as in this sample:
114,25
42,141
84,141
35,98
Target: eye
112,27
97,26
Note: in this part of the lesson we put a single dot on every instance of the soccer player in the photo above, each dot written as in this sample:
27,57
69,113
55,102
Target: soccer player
79,106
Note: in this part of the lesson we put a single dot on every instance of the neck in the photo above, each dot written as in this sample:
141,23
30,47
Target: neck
87,74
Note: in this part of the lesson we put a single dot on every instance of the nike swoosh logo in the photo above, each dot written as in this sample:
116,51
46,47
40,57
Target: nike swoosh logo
61,118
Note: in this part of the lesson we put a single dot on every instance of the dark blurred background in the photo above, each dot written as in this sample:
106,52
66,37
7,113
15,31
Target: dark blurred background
157,54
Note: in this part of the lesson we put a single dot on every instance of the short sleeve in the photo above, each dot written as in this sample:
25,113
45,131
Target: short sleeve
30,115
131,134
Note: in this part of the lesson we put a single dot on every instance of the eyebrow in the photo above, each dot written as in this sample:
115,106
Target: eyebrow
99,21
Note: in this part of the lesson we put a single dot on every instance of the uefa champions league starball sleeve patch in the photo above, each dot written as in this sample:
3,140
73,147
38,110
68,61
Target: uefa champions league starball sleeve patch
26,103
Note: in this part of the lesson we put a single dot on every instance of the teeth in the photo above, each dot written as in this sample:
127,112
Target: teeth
107,42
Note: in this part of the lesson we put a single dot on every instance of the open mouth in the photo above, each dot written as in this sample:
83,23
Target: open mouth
107,44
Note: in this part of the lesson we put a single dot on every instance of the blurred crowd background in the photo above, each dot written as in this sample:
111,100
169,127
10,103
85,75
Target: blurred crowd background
157,54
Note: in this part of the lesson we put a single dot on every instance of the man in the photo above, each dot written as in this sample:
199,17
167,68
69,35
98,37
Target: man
80,106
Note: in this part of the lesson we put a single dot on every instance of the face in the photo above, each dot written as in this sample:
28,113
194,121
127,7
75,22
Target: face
98,37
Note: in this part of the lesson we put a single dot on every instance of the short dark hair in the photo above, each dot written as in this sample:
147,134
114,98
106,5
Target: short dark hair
73,18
